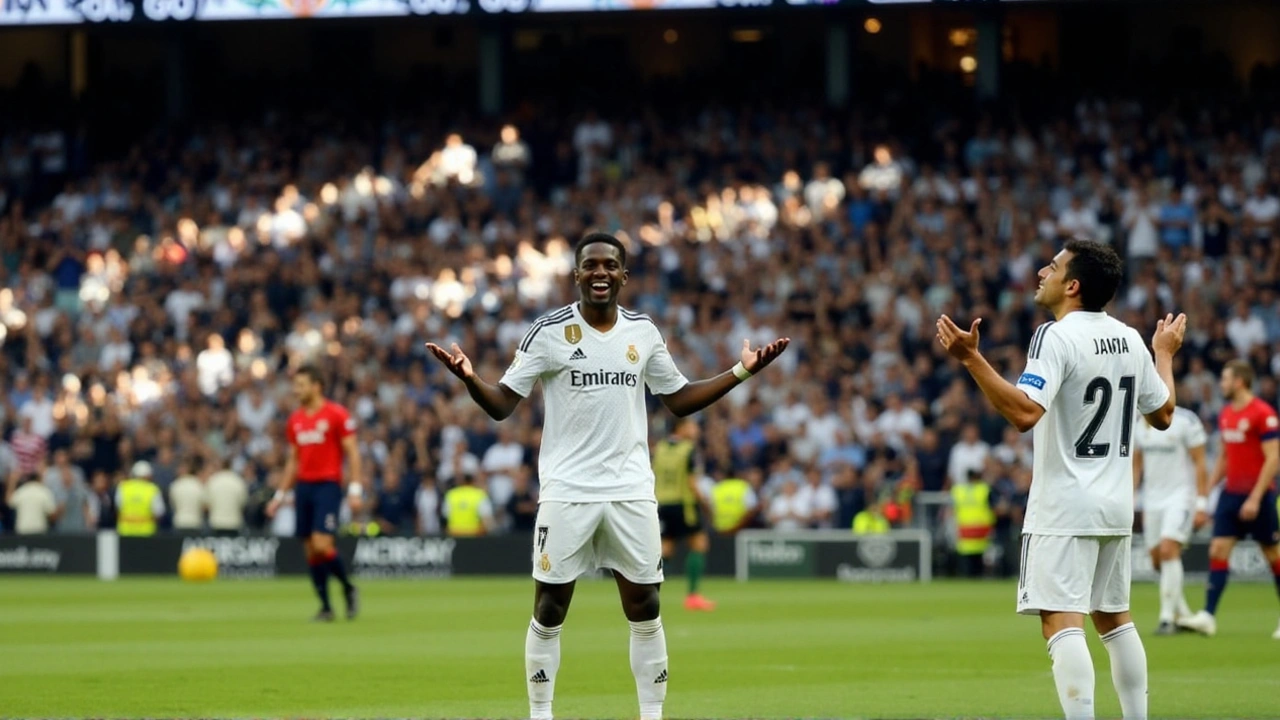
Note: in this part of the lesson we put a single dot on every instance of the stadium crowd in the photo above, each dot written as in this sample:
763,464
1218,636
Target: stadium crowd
154,303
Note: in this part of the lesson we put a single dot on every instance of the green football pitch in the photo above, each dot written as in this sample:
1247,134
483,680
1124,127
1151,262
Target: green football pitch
454,648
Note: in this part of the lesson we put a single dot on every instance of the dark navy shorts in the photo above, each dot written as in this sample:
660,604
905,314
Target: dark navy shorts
1265,529
317,505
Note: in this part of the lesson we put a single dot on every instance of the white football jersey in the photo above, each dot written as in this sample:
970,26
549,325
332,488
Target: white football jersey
1092,374
1168,477
595,440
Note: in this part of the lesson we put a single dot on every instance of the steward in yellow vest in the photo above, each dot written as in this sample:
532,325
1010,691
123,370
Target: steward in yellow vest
975,521
733,502
138,503
871,521
467,510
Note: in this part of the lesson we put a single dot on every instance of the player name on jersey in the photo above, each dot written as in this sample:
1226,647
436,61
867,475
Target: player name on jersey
1110,346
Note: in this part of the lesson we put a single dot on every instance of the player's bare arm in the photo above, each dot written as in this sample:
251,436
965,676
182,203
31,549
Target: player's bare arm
1270,462
1165,343
1013,405
699,394
355,482
1198,460
287,478
498,401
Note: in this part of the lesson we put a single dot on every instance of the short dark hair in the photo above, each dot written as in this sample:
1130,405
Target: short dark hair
312,372
1098,269
1242,370
599,237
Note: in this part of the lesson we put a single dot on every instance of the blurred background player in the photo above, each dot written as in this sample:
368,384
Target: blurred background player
597,507
1170,495
680,517
1247,505
320,433
1085,373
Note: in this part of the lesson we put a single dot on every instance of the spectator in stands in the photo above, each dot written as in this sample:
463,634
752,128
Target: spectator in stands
818,499
71,493
392,510
187,497
1261,212
522,505
34,505
227,497
786,509
970,453
103,501
883,174
932,460
501,461
29,449
511,153
426,502
1245,330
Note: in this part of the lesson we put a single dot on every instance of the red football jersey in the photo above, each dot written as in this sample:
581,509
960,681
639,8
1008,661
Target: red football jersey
1242,434
318,438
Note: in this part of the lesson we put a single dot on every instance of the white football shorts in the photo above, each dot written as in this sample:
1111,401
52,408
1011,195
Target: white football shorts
1168,521
1074,574
571,539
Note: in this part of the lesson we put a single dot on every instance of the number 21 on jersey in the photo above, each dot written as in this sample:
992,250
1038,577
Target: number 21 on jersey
1098,393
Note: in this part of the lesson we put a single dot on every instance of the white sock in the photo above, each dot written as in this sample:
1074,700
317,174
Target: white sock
1073,673
1184,610
649,665
541,662
1170,589
1128,669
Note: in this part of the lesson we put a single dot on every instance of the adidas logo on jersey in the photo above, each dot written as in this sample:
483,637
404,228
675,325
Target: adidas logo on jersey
578,355
661,678
541,677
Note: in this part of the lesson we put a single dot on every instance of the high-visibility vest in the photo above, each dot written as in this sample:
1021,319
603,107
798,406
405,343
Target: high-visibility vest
136,498
729,503
974,517
870,523
462,504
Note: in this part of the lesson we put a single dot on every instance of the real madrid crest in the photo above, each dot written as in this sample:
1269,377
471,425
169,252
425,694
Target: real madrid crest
573,333
633,357
544,563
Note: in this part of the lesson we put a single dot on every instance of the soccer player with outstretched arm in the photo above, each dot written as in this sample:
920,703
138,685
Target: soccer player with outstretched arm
320,433
1086,374
596,508
1250,433
1169,485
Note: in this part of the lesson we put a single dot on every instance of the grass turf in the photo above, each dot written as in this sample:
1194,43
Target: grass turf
454,648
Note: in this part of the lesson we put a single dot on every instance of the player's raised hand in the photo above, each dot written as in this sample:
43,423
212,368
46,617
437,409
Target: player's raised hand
1169,333
457,361
960,344
756,360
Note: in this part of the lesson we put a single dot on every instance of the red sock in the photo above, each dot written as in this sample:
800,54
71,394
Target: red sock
1219,565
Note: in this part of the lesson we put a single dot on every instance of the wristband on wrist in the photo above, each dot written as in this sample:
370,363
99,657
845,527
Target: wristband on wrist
741,372
355,490
278,497
1202,504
